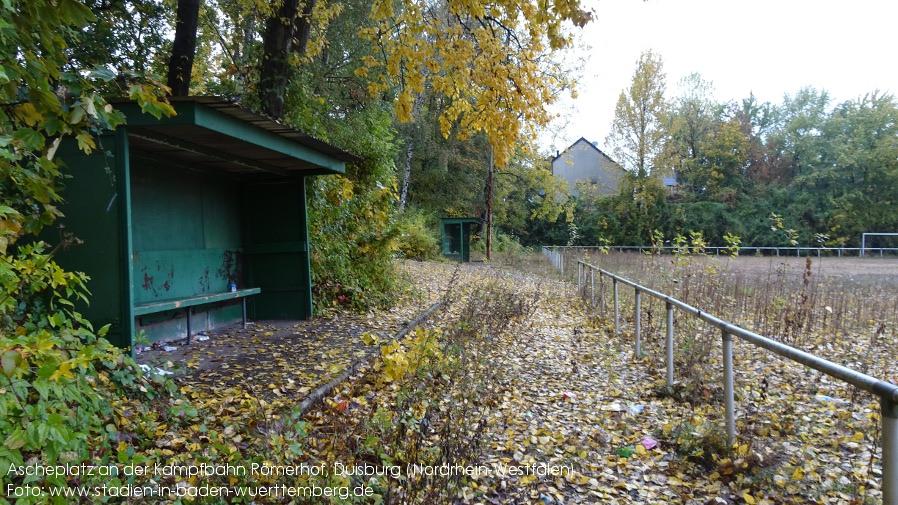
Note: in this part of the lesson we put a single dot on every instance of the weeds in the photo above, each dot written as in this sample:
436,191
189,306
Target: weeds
442,382
842,316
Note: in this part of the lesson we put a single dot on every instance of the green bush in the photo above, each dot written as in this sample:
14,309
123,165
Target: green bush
353,239
502,243
61,384
417,239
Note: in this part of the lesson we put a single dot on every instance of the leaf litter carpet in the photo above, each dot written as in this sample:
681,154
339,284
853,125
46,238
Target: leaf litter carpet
569,401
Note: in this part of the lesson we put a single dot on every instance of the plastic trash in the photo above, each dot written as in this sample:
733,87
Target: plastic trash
170,348
827,399
648,442
635,409
153,370
567,395
201,338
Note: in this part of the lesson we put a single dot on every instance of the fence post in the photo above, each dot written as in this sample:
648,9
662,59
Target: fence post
638,319
670,340
889,452
602,291
616,307
728,388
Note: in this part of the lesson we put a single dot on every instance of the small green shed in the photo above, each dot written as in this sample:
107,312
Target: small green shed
183,218
456,237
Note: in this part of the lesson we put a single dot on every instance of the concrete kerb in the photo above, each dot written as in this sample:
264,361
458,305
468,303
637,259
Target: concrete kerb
318,395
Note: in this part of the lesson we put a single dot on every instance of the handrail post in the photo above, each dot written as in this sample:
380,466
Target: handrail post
638,321
580,279
889,452
670,340
602,291
616,308
592,287
728,388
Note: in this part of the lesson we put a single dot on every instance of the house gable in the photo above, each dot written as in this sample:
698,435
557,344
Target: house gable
584,162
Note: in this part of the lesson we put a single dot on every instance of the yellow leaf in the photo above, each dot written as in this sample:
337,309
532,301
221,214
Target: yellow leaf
64,370
798,473
748,498
28,113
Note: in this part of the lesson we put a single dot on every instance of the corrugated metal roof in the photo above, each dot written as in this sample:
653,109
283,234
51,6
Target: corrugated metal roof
266,123
174,141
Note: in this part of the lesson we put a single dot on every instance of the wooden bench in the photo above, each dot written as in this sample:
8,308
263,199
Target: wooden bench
154,307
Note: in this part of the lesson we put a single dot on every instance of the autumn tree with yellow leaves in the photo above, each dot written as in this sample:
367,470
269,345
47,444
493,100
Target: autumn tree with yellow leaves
490,62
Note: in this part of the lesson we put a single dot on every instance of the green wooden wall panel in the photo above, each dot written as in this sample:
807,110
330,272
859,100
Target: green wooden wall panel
187,242
167,275
187,233
167,208
221,214
276,244
93,209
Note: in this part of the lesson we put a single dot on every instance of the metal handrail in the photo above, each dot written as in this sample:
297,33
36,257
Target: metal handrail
887,392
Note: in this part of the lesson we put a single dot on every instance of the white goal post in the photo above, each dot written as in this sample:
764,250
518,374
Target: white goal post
864,239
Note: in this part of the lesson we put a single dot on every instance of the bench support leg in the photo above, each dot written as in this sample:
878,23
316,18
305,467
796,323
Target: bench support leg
244,313
189,311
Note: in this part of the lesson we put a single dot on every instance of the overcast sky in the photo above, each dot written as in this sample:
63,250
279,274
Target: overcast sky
769,47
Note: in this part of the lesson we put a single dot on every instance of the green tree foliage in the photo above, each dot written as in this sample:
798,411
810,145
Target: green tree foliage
304,62
853,178
52,359
351,222
829,172
125,35
527,194
718,173
692,117
626,218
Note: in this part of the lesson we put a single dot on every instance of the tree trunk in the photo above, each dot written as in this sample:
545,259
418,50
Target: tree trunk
180,66
409,151
403,195
489,207
287,31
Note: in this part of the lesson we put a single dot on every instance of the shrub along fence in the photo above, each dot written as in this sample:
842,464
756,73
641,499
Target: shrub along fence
887,393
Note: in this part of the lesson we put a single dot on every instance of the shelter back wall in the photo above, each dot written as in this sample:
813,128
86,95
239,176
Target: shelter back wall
186,232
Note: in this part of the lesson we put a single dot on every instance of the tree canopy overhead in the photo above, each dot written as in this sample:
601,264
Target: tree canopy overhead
489,61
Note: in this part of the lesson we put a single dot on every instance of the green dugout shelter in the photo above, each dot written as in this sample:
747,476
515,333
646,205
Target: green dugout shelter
190,221
456,237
